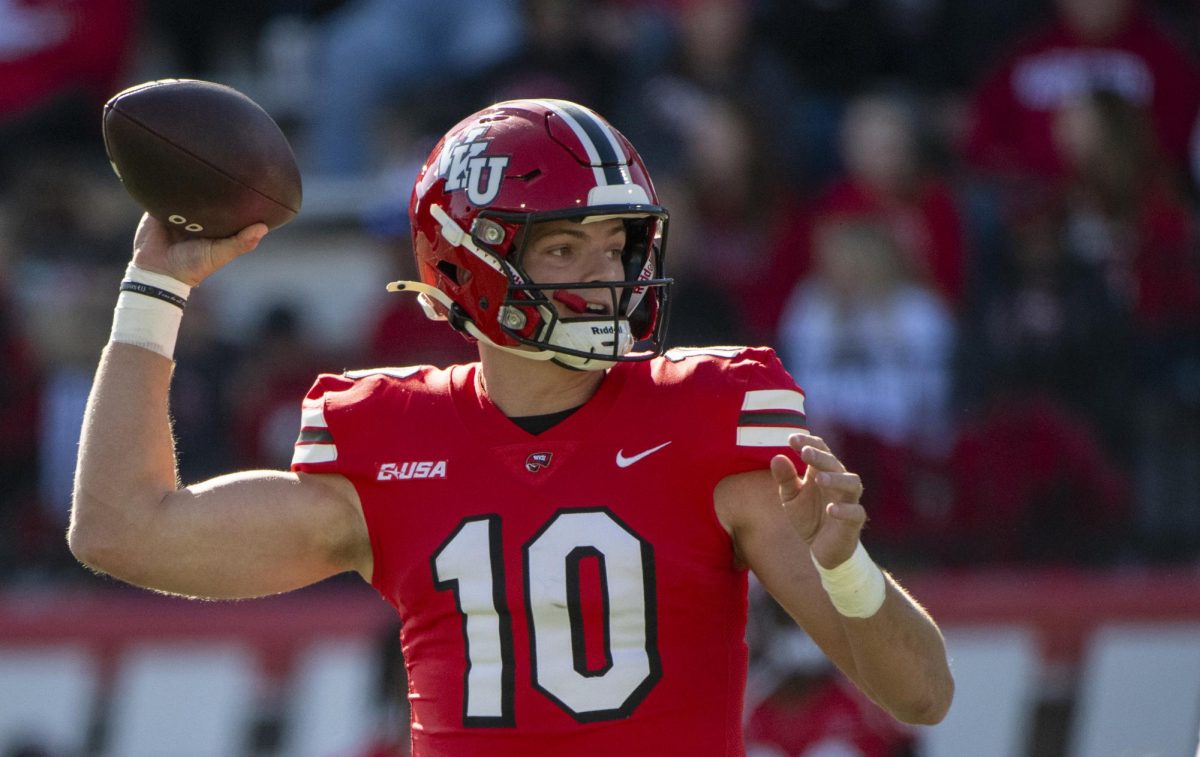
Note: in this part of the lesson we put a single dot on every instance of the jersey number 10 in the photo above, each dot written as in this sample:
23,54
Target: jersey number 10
552,608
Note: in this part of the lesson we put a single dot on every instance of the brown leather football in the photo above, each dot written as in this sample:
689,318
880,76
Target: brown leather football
201,157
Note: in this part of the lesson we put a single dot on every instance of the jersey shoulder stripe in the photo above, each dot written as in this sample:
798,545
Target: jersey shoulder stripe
315,443
769,417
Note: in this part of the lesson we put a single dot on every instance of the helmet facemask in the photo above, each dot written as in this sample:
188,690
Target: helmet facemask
581,335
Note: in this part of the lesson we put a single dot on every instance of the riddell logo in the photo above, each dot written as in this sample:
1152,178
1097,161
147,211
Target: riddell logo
403,471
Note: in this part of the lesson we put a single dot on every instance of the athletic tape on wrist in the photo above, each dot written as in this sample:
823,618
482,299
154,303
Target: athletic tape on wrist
149,311
857,587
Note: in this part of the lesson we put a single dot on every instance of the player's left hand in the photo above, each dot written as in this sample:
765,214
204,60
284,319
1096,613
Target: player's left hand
823,505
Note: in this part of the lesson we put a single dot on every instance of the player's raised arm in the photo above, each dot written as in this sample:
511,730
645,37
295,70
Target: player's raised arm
246,534
800,536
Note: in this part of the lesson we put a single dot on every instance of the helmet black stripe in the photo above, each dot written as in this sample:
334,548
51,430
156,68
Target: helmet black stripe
603,141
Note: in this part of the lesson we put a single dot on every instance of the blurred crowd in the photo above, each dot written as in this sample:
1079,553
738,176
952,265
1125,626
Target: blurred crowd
968,226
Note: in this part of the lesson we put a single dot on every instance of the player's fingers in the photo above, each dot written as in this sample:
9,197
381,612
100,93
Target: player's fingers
799,441
784,472
253,233
150,234
848,515
848,485
221,251
248,238
821,459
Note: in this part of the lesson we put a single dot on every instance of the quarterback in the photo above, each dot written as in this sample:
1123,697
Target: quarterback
565,526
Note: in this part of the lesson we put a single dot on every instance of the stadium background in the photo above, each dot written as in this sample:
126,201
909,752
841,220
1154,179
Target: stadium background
1011,356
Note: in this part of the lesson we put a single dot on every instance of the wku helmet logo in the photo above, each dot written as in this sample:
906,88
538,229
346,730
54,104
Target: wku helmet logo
465,166
537,461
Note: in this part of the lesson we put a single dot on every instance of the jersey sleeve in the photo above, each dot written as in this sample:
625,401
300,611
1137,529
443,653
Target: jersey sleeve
316,449
769,406
753,406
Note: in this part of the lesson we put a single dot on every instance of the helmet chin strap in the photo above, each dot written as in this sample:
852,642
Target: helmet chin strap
426,292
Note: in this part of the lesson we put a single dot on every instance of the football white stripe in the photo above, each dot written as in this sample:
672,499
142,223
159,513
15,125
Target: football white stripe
314,453
313,416
774,399
765,436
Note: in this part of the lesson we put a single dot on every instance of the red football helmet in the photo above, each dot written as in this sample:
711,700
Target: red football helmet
514,164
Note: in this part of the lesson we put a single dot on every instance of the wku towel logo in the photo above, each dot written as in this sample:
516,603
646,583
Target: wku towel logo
537,461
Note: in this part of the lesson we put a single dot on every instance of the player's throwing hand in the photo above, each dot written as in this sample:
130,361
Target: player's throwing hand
823,505
190,260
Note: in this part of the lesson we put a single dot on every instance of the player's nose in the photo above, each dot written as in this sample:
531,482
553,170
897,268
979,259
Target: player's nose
599,264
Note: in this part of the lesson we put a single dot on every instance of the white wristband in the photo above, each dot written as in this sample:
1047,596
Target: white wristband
149,311
857,587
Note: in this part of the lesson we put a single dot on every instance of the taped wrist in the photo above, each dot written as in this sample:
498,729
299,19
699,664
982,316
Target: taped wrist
857,587
149,311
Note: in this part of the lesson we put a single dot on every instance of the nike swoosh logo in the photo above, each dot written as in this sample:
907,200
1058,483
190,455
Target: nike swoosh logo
625,462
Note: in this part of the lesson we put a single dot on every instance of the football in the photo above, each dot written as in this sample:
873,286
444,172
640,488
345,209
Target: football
201,157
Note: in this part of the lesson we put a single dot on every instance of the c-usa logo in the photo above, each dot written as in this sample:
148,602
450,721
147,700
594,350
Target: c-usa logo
464,165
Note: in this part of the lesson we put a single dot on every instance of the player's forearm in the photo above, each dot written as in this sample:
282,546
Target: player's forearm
900,659
126,456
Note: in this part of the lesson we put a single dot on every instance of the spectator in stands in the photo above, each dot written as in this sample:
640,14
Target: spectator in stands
828,51
377,51
560,56
872,339
59,62
887,176
67,206
202,37
1046,321
738,203
1125,221
713,58
1090,44
1125,216
61,207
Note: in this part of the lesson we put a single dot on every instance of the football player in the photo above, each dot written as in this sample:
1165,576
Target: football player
566,526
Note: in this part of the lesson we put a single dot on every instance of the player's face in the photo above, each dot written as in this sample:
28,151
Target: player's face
570,251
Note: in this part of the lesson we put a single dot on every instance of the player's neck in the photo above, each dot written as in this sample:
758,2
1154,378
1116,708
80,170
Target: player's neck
522,387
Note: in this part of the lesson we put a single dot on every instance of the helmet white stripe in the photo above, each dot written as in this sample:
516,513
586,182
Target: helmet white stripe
584,124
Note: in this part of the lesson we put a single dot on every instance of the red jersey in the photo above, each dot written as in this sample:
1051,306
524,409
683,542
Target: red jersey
571,592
